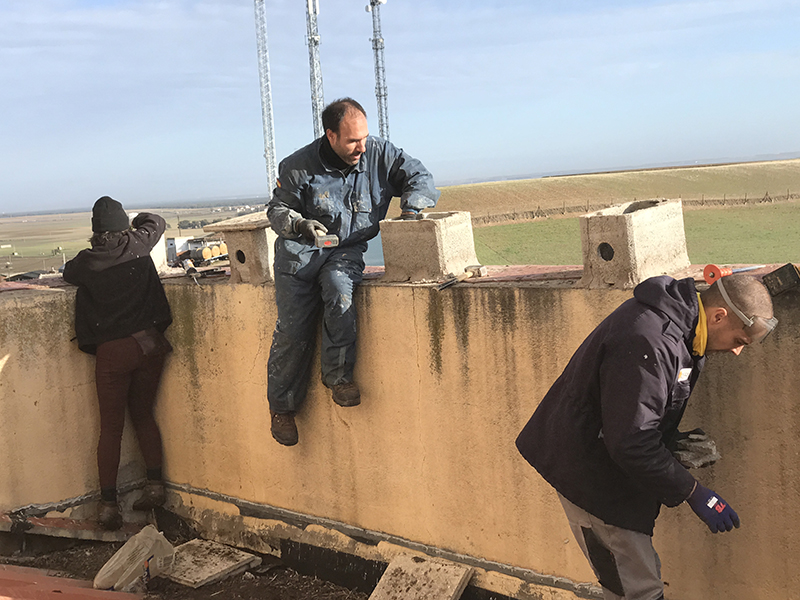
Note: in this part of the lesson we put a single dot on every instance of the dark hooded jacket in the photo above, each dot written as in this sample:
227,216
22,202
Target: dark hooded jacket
599,435
119,291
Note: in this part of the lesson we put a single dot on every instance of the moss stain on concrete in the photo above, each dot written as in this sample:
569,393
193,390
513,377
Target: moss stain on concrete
436,328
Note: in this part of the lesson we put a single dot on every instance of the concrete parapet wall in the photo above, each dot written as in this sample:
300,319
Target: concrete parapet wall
448,379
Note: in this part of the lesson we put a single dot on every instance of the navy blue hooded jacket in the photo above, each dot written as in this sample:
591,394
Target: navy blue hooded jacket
599,435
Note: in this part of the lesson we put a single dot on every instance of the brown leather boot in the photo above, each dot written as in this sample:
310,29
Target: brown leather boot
153,495
108,515
283,428
346,394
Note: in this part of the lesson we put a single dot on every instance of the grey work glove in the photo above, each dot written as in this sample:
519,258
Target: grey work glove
694,449
310,229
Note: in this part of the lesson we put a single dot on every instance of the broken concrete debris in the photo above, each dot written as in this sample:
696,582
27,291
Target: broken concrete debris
422,578
199,562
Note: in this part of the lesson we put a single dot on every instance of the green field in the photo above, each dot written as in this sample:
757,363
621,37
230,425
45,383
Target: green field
755,233
691,184
765,233
36,238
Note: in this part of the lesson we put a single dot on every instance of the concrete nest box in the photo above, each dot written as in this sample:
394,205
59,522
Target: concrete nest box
251,247
427,249
624,245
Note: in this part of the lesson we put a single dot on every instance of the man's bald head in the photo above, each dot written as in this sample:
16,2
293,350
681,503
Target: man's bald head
746,292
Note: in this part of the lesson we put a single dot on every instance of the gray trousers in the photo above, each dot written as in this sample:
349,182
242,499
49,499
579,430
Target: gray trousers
624,561
325,284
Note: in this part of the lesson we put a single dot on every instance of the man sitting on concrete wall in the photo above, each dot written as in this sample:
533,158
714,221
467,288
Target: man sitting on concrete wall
341,184
600,436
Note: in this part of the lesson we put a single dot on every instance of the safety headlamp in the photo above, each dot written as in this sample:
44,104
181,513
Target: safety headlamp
757,328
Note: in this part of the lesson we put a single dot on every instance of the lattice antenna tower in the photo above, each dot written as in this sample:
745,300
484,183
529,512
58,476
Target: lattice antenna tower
381,92
266,95
315,70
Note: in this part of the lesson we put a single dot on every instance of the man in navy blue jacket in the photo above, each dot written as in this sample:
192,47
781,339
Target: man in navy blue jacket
600,436
340,184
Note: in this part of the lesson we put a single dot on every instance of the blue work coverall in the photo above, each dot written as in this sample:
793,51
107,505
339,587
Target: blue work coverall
350,203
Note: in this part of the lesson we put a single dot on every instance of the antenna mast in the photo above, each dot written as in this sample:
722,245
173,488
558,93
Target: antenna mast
266,95
315,70
381,93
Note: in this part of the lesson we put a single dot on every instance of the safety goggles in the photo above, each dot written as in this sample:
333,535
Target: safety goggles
756,328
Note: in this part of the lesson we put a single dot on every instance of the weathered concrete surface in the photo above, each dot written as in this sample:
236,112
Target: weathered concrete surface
448,380
251,247
200,562
427,249
626,244
417,578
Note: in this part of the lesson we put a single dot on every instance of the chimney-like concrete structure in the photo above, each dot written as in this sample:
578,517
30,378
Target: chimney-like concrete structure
624,245
251,247
427,249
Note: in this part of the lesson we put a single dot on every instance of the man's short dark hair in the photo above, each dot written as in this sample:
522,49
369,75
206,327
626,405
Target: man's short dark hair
335,111
746,292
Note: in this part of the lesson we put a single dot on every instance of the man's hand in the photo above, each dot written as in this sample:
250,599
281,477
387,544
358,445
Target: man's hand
310,229
712,509
694,449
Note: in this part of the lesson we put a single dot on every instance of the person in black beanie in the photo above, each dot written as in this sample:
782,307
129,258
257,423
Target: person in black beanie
121,313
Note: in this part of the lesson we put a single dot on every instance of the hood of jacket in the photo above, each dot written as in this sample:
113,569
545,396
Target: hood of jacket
675,298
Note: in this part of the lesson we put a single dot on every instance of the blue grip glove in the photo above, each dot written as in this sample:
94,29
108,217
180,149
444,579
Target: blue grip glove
710,507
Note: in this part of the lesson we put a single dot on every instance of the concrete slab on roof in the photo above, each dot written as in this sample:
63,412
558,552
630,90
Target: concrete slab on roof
199,562
422,578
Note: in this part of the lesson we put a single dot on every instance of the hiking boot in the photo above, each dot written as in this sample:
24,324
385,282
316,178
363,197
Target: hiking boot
283,428
346,394
108,515
153,495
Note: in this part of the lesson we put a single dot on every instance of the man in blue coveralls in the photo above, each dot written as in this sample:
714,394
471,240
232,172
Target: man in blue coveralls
340,184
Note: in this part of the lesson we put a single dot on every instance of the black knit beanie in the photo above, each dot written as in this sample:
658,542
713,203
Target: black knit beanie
108,215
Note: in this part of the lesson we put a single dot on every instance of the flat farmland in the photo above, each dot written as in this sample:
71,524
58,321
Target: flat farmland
36,239
692,184
752,234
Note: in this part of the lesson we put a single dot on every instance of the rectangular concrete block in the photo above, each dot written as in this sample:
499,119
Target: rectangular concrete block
200,562
427,249
251,247
624,245
422,578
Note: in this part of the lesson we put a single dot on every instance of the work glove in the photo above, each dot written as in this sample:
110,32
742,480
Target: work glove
310,229
409,214
716,513
694,449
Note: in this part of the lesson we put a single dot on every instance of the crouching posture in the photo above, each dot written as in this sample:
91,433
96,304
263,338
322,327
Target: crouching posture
601,435
121,314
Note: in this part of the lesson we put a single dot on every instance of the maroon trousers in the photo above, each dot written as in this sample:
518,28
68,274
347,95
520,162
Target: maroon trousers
126,377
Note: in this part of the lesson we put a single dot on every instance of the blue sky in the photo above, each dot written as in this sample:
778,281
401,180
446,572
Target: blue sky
158,101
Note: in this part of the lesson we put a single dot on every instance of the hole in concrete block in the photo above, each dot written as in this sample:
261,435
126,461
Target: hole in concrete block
240,256
606,251
642,204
